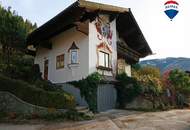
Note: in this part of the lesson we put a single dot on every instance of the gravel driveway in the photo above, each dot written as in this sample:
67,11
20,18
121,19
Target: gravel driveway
119,120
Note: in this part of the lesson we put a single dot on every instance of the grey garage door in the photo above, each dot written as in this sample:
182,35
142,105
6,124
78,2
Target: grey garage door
106,97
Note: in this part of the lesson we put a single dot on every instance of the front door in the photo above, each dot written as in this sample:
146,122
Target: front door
46,69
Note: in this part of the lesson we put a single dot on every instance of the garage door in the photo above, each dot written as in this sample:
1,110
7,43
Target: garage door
106,97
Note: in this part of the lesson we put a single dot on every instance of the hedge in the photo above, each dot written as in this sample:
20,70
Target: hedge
88,89
37,96
128,89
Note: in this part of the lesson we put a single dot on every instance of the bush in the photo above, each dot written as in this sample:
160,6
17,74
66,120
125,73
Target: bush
147,70
128,88
47,85
36,96
21,67
180,81
70,115
150,80
88,88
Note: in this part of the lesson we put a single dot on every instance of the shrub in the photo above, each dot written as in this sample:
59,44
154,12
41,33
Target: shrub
128,88
47,85
70,115
35,95
21,67
152,88
150,80
148,70
180,81
88,88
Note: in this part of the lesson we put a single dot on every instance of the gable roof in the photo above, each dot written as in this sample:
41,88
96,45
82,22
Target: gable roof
82,10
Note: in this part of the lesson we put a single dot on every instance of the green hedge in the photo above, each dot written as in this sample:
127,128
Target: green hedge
37,96
88,89
128,89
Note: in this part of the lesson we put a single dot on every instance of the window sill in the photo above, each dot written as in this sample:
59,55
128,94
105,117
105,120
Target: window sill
58,68
73,65
104,68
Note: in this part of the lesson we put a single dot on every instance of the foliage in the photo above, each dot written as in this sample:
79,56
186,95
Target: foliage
72,115
21,67
13,32
36,96
149,70
24,69
47,85
88,88
128,88
136,66
152,87
180,81
177,82
165,79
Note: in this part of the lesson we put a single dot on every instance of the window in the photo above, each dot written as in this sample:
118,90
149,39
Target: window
73,50
103,59
74,56
60,61
46,62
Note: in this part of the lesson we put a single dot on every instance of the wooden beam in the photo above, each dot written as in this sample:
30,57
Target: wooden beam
98,6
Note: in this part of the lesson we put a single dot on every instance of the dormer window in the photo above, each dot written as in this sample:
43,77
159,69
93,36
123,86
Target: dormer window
73,50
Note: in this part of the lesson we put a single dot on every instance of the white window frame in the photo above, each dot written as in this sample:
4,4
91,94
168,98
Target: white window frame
106,59
74,61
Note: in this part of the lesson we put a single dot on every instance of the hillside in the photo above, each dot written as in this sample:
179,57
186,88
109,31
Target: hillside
168,63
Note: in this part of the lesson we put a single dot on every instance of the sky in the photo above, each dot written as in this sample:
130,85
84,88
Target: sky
165,37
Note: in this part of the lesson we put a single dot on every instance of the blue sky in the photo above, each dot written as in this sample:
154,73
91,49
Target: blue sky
166,38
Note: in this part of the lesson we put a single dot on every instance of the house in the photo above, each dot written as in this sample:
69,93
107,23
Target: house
88,37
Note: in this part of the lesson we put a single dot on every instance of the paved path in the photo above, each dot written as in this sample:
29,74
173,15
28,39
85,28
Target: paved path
119,120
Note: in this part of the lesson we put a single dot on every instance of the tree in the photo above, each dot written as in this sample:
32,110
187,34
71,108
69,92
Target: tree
149,78
13,32
150,70
180,81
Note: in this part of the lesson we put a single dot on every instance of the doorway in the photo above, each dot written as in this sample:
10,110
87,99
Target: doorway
46,62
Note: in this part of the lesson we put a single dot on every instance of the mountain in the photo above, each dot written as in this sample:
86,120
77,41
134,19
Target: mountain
168,63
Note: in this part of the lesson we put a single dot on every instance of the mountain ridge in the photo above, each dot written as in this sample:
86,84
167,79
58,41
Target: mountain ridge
168,63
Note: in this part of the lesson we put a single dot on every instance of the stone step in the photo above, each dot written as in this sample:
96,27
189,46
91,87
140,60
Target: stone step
81,108
85,110
89,113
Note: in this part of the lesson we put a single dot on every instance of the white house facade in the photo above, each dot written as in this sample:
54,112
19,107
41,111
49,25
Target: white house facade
85,38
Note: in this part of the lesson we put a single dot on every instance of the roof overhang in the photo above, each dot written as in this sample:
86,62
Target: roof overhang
130,32
102,7
81,11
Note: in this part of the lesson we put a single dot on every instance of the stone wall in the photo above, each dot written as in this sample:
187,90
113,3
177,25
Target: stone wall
106,96
139,103
11,103
76,93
